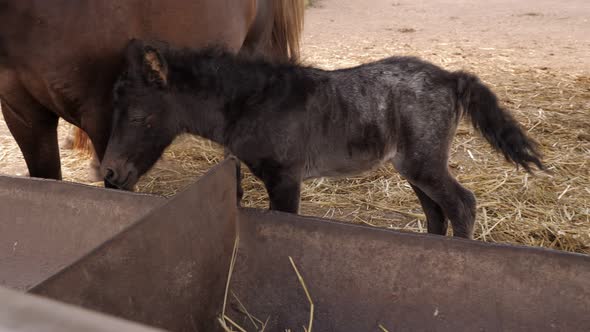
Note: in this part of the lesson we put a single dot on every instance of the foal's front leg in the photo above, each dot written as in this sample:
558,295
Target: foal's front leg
284,196
239,188
283,187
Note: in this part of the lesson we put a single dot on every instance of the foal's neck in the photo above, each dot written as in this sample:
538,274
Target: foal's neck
225,87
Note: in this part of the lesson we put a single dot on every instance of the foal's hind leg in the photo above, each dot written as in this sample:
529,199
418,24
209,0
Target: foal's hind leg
35,131
437,222
434,180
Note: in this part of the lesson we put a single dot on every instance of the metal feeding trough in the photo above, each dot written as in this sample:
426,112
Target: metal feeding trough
46,225
166,263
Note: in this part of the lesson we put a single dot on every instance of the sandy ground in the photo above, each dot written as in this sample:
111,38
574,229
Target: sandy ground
545,33
519,47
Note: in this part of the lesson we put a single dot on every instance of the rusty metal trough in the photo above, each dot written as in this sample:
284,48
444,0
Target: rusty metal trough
165,263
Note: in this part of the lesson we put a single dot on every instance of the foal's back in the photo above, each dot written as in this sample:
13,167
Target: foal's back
361,115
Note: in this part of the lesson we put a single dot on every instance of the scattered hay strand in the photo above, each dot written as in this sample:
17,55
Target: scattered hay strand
227,324
224,319
243,308
230,272
302,282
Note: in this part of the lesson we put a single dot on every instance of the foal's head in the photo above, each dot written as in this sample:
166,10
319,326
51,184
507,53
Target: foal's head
143,124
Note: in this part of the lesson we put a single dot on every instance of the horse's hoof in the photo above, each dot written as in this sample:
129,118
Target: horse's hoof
94,170
94,173
94,176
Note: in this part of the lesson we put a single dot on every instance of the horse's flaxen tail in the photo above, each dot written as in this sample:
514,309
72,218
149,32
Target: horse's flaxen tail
287,28
82,142
496,124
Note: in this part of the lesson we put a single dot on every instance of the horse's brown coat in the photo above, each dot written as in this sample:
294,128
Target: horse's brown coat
59,59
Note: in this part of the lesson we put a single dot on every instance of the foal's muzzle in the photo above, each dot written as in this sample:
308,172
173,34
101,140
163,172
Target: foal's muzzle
112,180
119,178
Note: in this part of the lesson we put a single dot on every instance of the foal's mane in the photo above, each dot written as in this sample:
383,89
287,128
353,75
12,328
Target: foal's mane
251,75
219,53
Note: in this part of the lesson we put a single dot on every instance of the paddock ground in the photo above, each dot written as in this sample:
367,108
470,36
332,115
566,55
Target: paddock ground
534,54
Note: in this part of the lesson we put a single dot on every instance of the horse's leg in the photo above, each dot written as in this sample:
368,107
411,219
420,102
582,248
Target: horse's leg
79,141
36,135
94,172
434,180
437,222
97,126
71,136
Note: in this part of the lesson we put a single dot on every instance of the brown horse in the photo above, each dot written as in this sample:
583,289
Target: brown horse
61,58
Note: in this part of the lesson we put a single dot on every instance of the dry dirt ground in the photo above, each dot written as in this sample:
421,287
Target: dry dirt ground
534,54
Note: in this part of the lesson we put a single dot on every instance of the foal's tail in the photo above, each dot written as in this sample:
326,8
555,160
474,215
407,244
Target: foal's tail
496,124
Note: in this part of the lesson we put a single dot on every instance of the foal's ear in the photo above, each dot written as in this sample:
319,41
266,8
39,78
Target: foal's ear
155,68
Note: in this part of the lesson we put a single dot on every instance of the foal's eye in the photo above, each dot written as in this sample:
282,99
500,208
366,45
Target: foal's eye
141,120
137,119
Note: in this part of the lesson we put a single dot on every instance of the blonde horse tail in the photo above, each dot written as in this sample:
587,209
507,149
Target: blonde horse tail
287,28
82,142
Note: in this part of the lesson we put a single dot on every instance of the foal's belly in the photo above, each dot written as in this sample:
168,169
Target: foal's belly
342,166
